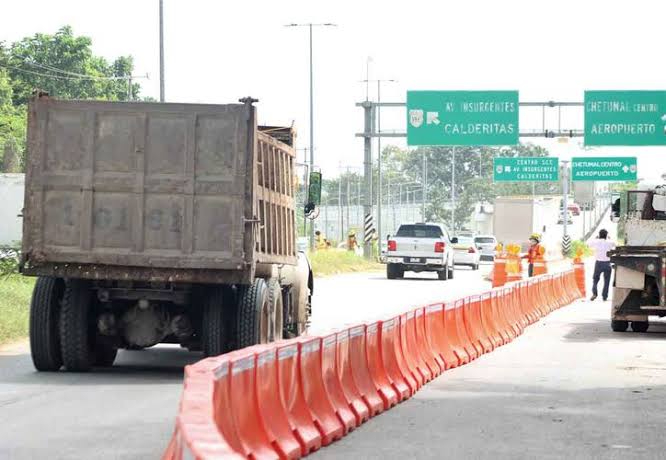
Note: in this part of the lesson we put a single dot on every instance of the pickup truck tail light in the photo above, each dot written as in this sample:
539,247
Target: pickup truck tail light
392,246
439,246
471,250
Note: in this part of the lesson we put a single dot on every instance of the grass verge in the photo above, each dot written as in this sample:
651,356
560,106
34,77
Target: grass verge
331,262
15,292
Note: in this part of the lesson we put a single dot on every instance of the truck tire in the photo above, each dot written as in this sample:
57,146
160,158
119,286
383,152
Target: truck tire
444,274
213,323
253,311
394,271
390,271
75,330
619,325
450,271
277,310
640,326
105,354
44,323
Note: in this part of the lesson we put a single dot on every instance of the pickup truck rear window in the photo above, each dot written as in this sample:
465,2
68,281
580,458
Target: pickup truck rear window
419,231
484,240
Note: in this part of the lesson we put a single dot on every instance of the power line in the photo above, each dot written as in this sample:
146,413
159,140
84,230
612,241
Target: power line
66,72
63,77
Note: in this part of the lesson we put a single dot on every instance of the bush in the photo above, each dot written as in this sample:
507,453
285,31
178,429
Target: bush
9,260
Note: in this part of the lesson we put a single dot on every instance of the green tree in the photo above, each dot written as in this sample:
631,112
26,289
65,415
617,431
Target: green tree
64,65
12,121
473,176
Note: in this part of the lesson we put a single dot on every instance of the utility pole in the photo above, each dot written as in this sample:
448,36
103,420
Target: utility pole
310,26
453,190
340,220
367,170
425,184
379,144
161,50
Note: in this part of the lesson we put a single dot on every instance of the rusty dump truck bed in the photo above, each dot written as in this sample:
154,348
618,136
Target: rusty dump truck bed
154,191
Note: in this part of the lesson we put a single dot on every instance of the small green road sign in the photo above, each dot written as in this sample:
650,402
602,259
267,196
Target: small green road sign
462,117
526,169
603,168
625,118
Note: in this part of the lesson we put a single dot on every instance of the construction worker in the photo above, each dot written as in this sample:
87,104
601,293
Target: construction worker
352,244
534,251
320,241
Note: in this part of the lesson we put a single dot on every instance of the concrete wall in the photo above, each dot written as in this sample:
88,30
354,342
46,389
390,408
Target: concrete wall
11,193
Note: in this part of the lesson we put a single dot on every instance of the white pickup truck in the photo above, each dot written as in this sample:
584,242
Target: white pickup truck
421,247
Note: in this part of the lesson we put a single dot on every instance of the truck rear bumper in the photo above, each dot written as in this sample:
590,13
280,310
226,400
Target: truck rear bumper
417,264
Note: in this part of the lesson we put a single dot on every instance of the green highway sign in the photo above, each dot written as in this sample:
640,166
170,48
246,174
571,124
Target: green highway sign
526,169
625,117
603,168
462,117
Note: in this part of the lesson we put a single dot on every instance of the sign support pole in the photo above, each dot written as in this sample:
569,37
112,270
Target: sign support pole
367,163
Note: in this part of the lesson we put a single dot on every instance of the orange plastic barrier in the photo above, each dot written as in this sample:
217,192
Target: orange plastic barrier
361,370
377,372
324,414
434,362
579,269
500,320
351,391
413,349
451,328
436,332
332,383
461,326
481,336
408,352
300,419
393,362
488,320
287,399
271,408
254,440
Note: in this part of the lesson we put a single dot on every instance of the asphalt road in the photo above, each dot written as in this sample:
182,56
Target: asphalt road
127,412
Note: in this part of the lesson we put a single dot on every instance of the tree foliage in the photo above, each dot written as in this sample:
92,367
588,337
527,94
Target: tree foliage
61,64
473,178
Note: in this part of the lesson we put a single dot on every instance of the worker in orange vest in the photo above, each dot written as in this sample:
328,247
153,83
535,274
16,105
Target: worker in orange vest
533,253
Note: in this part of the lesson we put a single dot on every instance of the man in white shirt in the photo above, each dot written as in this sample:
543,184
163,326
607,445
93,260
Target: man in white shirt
601,246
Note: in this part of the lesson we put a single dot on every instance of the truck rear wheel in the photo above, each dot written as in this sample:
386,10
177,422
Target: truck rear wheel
443,274
75,330
44,323
619,325
640,326
213,323
276,310
253,321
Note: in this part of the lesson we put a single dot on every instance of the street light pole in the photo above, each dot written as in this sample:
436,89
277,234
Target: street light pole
161,50
310,26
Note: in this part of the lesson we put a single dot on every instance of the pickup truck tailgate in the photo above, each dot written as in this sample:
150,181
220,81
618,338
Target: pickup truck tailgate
416,247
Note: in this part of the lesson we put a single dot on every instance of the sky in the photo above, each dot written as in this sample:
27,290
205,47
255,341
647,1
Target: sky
219,51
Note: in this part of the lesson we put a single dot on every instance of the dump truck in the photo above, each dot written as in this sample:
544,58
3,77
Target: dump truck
639,288
151,223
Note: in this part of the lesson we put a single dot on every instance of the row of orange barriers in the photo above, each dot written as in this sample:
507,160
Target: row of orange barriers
287,399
